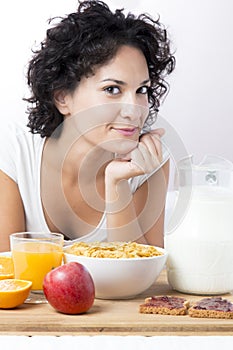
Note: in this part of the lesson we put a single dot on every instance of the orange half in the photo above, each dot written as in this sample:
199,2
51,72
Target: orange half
13,292
6,267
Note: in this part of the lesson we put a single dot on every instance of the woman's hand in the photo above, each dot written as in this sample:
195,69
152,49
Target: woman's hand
145,158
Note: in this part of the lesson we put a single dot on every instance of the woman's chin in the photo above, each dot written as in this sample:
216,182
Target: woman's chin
123,147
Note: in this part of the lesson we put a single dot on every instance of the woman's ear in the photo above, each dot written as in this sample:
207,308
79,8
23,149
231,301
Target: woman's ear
61,102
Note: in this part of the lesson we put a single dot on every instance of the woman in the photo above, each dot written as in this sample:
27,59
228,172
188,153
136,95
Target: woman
91,167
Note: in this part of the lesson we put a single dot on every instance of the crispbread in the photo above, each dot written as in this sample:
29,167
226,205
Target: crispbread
213,307
164,305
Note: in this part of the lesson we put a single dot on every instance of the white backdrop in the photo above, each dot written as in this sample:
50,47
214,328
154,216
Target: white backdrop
199,105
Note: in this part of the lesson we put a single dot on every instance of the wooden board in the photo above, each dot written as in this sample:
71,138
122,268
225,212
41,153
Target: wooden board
111,317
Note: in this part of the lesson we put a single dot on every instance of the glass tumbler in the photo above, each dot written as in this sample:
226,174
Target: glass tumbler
34,254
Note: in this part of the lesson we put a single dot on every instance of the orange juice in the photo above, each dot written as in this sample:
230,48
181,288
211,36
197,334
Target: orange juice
32,261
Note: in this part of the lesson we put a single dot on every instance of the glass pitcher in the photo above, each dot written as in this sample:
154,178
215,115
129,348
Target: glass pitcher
199,236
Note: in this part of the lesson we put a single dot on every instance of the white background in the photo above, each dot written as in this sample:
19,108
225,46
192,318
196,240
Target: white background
199,105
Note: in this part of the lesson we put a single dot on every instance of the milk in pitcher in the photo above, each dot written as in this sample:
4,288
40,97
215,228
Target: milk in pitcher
200,248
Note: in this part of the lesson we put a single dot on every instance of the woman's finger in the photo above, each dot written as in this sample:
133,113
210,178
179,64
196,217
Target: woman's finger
148,141
152,141
159,131
158,146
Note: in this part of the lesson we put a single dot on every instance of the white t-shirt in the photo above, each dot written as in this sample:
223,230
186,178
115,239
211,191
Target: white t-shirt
20,159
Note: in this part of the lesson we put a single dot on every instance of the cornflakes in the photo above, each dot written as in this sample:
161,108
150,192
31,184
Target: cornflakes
115,250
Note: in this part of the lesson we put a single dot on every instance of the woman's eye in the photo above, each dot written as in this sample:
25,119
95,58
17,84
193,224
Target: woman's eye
143,90
112,90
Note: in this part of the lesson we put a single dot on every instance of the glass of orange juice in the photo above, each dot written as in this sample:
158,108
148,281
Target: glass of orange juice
34,254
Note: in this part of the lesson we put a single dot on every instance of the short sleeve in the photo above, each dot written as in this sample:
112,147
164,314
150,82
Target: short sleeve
8,150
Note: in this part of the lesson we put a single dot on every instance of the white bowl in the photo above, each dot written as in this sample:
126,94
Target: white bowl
121,278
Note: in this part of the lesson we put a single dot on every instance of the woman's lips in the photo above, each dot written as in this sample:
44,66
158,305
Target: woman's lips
126,131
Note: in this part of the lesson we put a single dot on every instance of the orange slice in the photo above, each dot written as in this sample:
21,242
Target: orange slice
13,292
6,267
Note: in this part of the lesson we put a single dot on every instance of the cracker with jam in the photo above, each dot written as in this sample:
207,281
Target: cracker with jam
213,307
164,305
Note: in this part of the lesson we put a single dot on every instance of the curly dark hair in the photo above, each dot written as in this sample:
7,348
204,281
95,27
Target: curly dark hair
80,42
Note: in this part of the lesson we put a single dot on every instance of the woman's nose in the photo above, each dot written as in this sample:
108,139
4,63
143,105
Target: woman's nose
131,111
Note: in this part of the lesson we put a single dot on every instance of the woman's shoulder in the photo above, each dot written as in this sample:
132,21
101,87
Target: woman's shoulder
16,139
15,127
13,132
20,148
11,129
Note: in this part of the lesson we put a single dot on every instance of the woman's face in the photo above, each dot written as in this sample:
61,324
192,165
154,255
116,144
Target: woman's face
111,106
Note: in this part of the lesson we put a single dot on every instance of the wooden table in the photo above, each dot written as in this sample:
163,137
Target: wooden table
111,317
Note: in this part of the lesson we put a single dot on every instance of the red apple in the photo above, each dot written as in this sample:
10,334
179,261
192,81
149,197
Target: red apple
69,288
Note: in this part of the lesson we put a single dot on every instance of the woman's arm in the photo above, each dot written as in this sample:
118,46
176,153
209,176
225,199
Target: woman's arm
141,217
12,217
137,217
149,201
